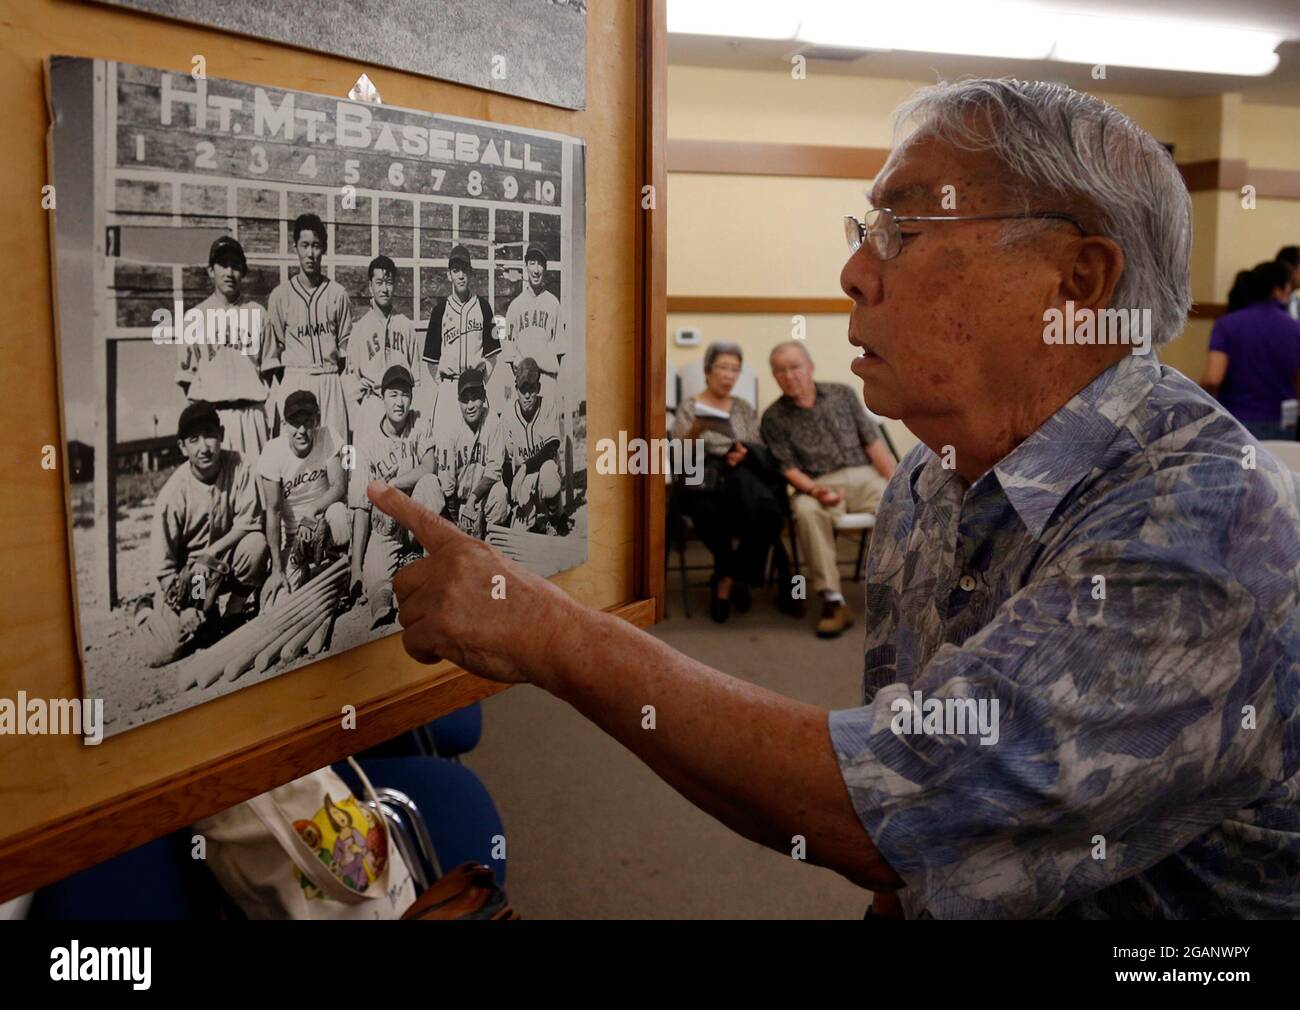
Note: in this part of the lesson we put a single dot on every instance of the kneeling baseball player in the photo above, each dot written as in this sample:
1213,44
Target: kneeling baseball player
397,449
470,492
531,434
301,475
206,544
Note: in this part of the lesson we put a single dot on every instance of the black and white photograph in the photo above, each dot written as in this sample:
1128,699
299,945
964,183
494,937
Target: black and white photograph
266,299
534,49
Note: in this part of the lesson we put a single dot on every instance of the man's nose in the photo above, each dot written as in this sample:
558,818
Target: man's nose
860,278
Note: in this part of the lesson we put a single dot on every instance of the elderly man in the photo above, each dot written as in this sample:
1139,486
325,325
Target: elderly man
1085,547
827,447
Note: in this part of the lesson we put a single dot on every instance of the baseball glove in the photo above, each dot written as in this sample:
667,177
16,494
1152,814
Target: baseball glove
471,520
311,545
166,634
198,584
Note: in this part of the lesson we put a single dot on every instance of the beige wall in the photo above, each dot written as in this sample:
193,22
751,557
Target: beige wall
775,236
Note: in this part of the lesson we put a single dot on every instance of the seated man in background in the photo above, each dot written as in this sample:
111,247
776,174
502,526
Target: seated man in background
397,448
206,542
303,488
833,456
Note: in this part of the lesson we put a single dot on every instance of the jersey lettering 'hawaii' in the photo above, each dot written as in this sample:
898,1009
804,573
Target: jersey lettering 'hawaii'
310,327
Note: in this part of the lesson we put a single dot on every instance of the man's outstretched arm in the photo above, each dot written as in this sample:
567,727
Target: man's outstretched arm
757,761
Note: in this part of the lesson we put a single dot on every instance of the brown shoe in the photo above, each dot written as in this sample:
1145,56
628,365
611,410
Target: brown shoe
835,620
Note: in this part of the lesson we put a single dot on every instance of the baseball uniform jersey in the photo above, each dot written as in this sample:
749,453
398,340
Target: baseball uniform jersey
228,364
525,439
189,514
474,453
309,332
302,479
379,341
382,456
461,335
534,330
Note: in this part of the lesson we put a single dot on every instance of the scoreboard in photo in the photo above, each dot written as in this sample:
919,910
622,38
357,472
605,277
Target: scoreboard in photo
189,159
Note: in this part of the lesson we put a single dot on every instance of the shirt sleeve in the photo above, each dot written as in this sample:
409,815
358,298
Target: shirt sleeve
1219,337
248,504
776,440
164,537
683,419
495,453
433,333
273,333
1114,721
358,479
268,462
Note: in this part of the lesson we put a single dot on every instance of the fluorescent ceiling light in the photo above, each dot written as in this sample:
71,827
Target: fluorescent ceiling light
1165,45
986,28
1009,30
741,19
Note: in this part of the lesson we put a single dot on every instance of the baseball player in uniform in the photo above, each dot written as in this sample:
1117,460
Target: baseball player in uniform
470,492
303,487
206,542
309,319
531,437
533,326
397,449
461,335
228,367
380,339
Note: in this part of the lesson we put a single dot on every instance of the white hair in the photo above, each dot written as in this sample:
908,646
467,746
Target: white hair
1064,145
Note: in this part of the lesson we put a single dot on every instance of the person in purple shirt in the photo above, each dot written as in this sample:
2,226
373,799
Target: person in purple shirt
1254,362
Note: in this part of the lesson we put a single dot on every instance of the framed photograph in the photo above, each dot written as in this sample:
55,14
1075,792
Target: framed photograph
267,298
534,49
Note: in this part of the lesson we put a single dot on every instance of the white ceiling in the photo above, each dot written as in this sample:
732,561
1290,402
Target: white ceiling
1281,87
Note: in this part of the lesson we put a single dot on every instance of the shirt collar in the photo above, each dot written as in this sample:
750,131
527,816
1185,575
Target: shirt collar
1038,473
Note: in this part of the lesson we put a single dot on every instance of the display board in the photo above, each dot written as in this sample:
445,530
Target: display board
70,804
191,168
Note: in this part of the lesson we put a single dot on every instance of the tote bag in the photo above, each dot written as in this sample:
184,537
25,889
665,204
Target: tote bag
309,850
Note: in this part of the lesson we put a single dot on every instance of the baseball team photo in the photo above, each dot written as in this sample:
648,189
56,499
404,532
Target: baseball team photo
266,300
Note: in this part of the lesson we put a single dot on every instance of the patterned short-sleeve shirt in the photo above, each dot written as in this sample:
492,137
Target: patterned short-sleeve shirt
1125,586
829,435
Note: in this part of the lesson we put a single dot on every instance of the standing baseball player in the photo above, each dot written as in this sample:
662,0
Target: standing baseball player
303,487
533,326
470,492
206,542
381,338
531,439
461,335
309,319
397,449
229,367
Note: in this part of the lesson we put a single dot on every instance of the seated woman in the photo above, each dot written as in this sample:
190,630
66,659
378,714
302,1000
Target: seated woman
1254,360
741,506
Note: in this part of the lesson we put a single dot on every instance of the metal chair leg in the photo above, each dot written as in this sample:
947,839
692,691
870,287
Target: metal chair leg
862,553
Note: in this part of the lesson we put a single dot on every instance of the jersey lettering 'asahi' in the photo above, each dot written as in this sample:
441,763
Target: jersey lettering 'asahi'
474,453
526,438
310,328
377,343
461,335
534,330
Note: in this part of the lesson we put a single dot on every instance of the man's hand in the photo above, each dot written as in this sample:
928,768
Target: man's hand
271,588
826,496
446,603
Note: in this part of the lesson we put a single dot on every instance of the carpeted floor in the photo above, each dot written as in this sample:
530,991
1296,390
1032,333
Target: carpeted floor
592,833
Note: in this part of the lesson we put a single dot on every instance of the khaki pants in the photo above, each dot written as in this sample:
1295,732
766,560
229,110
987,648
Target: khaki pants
860,488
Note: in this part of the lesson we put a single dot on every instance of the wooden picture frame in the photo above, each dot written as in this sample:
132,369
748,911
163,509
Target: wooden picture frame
72,805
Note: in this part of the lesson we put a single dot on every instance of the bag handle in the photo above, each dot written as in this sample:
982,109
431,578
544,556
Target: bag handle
281,827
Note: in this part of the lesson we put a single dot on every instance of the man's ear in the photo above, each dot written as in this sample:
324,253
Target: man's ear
1091,271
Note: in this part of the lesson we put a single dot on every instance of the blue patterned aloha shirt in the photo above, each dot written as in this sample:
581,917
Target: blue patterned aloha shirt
1147,744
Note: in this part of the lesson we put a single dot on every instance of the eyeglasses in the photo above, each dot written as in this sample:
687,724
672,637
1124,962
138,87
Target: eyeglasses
880,227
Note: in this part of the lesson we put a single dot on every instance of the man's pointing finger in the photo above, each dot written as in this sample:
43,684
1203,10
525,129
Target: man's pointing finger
429,528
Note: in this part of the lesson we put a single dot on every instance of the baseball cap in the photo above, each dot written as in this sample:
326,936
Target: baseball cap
397,377
227,251
471,378
458,253
300,406
198,418
527,373
536,251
